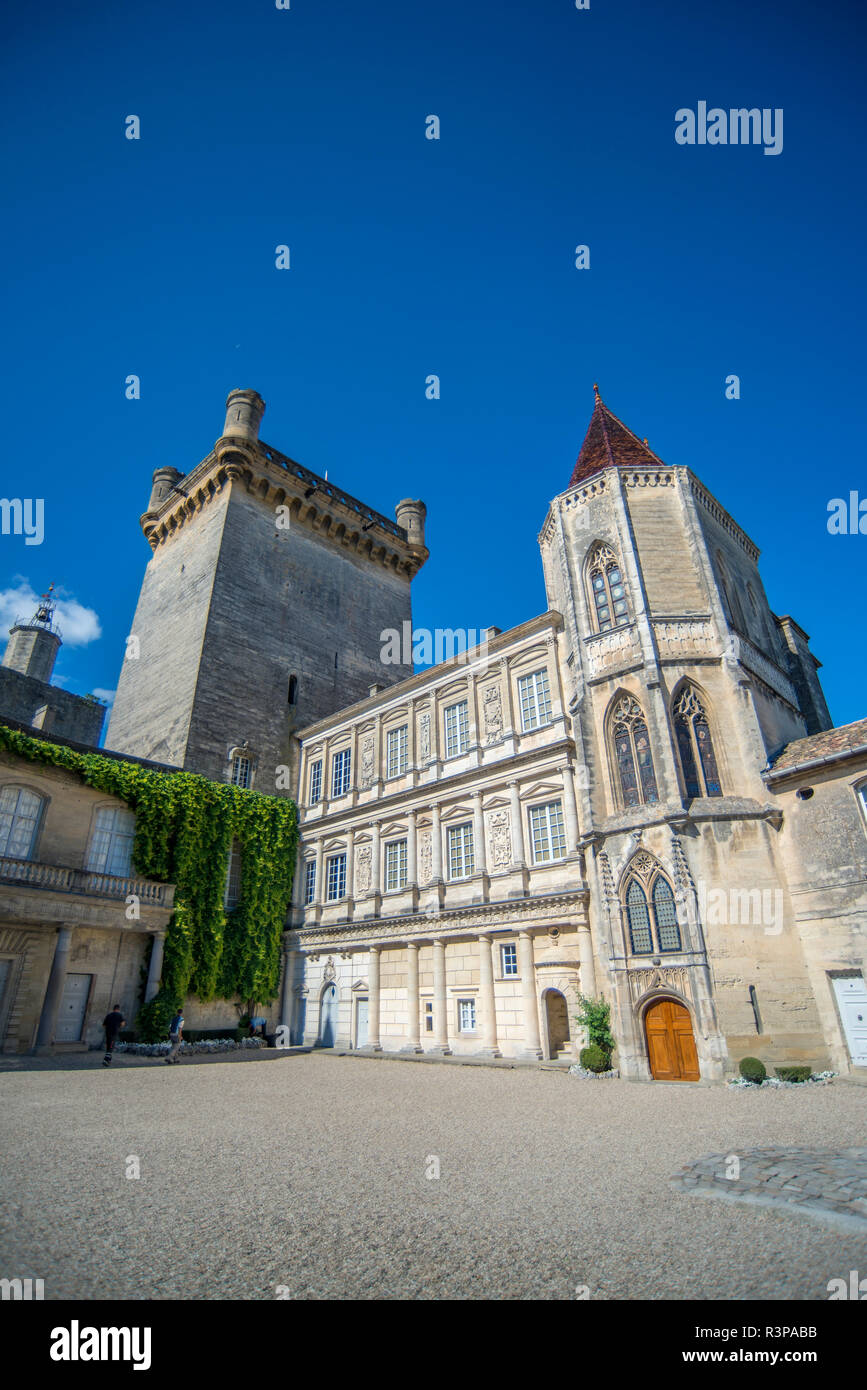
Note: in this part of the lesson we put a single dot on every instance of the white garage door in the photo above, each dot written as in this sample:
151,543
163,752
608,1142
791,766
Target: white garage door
852,1000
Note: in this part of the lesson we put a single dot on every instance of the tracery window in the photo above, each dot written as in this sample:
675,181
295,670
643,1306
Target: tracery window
695,746
632,756
606,585
651,912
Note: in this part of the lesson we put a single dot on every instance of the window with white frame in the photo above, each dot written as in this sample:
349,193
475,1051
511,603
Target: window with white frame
535,696
457,729
315,782
341,772
862,798
242,770
110,848
461,856
395,865
547,835
466,1015
232,894
336,879
309,882
395,752
20,810
509,958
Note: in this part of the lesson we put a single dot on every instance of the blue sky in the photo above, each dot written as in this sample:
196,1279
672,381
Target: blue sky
454,257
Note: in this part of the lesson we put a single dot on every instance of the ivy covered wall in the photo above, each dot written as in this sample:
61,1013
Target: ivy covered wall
184,828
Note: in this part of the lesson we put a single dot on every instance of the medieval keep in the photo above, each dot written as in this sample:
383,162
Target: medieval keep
637,794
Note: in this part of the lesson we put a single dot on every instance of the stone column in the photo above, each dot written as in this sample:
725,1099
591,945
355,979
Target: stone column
517,827
54,988
441,1015
480,858
436,846
585,956
411,852
570,810
373,1000
350,863
413,1038
319,894
375,879
532,1043
486,998
286,995
155,968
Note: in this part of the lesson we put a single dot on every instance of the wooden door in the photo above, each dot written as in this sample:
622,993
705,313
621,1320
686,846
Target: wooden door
670,1043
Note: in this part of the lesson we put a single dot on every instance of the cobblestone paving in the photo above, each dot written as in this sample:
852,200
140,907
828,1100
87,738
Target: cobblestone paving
829,1184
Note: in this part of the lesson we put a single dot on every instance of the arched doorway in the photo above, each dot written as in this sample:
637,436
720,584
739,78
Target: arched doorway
670,1042
328,1016
557,1021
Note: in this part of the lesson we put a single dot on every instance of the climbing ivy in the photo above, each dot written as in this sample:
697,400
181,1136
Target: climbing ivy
184,828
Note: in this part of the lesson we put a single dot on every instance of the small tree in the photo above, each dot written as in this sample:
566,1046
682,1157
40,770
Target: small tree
595,1016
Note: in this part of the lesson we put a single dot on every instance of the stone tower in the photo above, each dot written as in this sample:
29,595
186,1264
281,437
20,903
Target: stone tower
684,686
261,609
32,647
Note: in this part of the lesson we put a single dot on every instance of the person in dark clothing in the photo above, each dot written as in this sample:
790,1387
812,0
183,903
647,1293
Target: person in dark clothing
112,1023
176,1033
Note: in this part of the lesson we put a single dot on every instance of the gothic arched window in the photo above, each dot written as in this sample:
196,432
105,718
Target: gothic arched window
632,756
651,913
606,586
695,746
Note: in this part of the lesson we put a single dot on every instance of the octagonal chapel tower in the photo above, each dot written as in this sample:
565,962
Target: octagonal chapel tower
683,683
262,608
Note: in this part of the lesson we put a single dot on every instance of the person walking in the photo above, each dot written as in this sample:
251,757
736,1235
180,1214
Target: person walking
176,1034
112,1023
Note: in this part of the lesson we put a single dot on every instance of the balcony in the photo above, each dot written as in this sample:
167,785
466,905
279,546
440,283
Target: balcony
52,892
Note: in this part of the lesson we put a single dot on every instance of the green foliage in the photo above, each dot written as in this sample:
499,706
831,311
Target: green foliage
794,1073
184,828
751,1069
594,1058
595,1016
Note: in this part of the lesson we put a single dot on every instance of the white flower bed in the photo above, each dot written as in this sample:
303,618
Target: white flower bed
819,1078
576,1070
206,1045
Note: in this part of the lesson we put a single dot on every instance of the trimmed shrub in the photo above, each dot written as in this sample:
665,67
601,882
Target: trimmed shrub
593,1058
751,1069
794,1073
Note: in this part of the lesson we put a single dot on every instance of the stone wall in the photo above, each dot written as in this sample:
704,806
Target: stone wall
49,708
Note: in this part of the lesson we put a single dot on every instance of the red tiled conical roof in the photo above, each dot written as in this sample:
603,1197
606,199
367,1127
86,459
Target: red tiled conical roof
609,443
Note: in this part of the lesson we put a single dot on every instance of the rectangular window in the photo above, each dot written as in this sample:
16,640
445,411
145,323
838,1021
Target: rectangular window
395,865
241,771
341,772
110,849
509,957
428,1017
466,1015
535,699
546,832
336,880
232,895
461,857
457,729
309,882
315,782
395,757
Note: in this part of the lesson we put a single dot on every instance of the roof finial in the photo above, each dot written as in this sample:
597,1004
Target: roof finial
596,392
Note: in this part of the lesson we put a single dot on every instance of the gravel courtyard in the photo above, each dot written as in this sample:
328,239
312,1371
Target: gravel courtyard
310,1172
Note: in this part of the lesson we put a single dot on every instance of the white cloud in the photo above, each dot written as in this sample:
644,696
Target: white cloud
107,695
79,626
